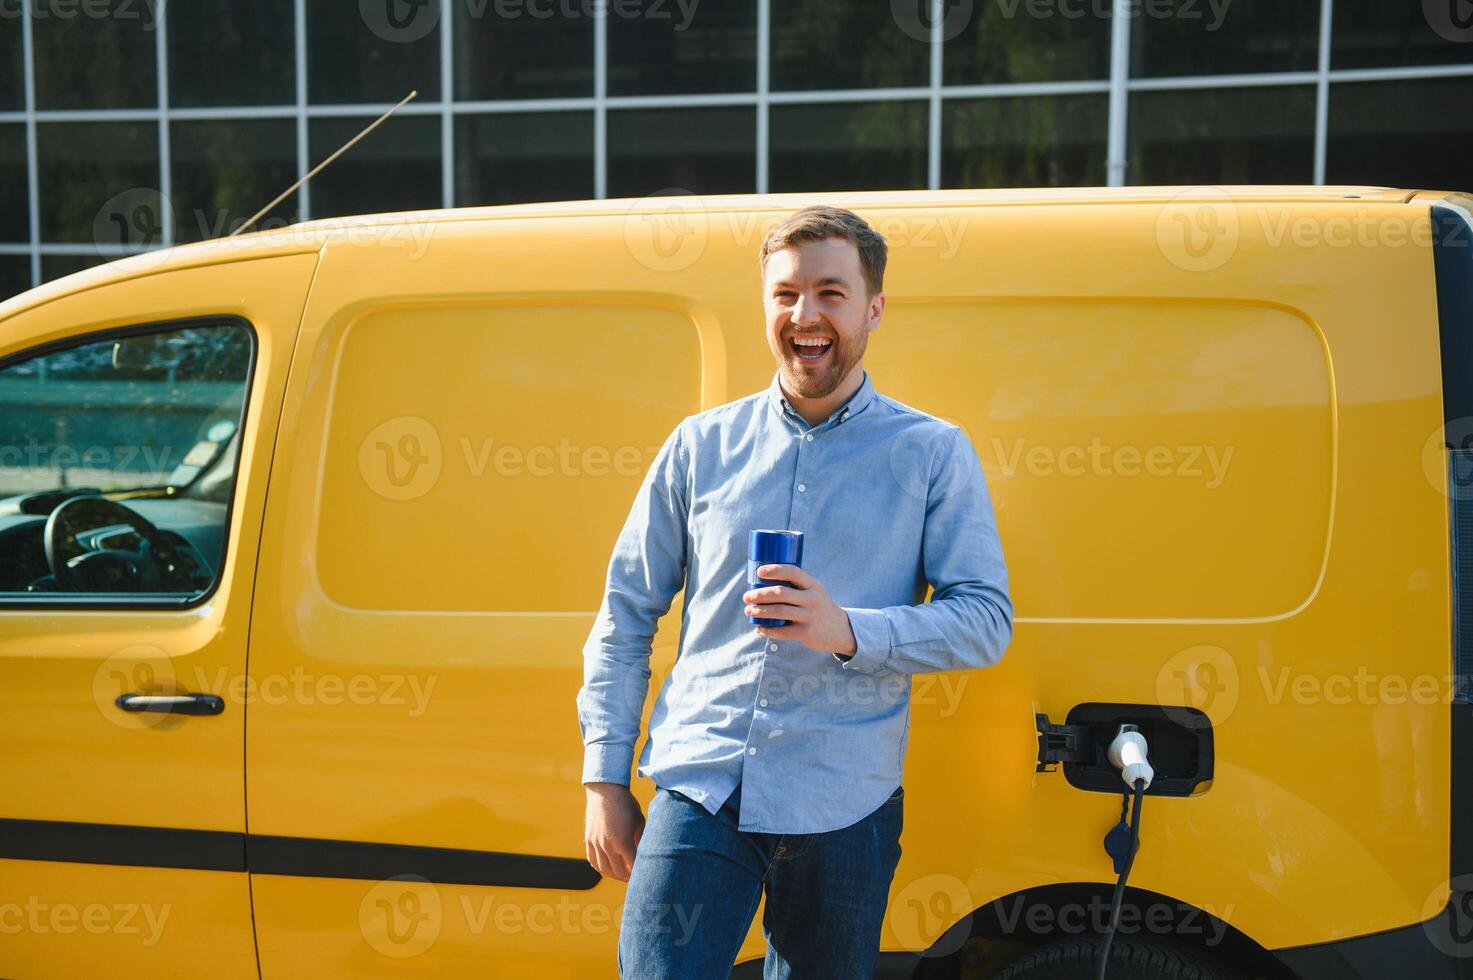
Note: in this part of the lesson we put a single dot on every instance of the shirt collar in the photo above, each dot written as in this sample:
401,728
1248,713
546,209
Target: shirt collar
857,402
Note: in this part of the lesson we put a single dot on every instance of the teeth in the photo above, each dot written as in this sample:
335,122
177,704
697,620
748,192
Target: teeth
811,342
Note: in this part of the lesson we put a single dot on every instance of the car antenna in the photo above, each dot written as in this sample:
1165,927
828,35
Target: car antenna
317,169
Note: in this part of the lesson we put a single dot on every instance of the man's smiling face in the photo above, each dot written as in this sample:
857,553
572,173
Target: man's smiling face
819,314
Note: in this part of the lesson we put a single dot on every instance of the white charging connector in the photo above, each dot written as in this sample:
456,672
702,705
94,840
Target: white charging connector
1128,754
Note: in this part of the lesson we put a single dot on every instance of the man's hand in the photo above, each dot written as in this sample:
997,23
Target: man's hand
814,619
612,826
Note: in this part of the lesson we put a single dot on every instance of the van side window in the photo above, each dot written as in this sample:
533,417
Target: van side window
117,463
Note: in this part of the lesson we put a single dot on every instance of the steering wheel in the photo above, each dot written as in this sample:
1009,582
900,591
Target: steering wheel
80,569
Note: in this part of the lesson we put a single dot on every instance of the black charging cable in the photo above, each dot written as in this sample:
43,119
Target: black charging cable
1132,839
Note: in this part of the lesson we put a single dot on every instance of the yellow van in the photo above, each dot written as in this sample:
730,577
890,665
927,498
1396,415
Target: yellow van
301,534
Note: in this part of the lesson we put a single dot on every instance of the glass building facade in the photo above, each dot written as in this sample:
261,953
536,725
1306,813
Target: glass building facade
130,124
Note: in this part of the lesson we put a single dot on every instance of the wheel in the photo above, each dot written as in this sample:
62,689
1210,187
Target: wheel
1130,959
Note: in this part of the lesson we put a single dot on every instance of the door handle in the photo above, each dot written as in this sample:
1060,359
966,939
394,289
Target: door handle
174,704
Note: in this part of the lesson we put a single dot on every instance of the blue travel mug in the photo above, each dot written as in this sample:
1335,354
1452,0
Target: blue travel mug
771,548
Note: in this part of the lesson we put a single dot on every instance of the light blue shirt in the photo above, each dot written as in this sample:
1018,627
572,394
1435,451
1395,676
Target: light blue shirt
888,499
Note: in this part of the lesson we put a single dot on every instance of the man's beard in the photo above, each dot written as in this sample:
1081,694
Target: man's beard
822,383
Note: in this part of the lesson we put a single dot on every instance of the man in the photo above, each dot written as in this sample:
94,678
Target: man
777,751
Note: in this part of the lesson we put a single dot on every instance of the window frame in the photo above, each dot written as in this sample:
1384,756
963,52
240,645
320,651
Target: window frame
106,601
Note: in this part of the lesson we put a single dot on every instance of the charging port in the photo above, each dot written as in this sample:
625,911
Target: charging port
1180,740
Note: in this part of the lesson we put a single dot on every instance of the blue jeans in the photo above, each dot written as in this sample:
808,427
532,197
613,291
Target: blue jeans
697,880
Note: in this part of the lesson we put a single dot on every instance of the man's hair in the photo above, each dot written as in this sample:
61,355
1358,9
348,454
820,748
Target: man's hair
819,223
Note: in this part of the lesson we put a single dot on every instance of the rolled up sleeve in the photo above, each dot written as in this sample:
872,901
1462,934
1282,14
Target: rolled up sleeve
646,571
968,622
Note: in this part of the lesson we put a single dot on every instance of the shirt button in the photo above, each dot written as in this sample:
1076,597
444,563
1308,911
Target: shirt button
802,487
810,438
763,702
752,750
772,647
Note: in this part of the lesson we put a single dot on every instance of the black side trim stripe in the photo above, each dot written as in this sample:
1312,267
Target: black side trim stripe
210,850
100,843
308,857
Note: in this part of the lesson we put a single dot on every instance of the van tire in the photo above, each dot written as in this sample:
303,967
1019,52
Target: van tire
1130,959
